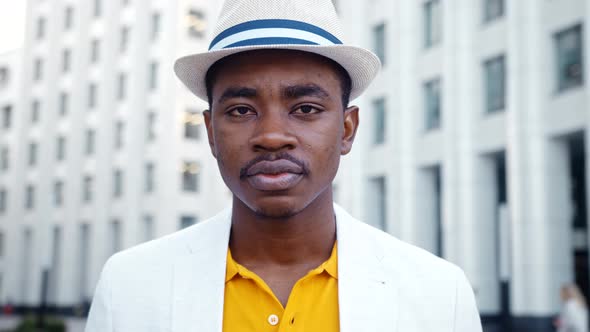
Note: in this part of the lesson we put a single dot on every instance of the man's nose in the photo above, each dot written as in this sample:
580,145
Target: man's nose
273,133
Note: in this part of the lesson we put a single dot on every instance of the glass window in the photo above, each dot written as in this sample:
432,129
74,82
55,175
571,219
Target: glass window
187,221
190,176
153,85
570,62
117,183
3,200
97,8
58,187
90,141
4,158
92,91
30,197
124,42
379,121
4,76
87,190
69,17
148,228
38,70
151,126
119,135
95,51
192,124
492,9
64,100
156,18
495,83
35,111
149,177
40,28
122,87
116,236
7,116
432,23
432,104
32,154
61,148
379,41
66,58
196,24
377,202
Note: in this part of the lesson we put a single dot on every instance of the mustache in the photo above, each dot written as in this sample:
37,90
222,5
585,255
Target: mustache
244,171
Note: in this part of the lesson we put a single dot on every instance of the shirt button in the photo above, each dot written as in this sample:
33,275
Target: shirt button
273,319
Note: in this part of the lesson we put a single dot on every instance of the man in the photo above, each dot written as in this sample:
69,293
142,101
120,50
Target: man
278,80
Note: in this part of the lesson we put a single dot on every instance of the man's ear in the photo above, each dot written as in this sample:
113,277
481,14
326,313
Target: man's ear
209,126
351,124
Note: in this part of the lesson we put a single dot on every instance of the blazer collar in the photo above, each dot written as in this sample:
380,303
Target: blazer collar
367,297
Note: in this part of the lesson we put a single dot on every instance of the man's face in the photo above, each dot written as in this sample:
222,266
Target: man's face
277,128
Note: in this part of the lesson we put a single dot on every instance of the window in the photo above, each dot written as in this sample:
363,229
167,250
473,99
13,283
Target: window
151,126
84,245
58,198
570,63
149,177
379,121
1,246
124,42
122,87
97,8
69,18
61,148
92,95
117,183
64,100
187,221
495,84
190,176
119,134
192,124
95,51
40,28
35,110
156,18
492,9
6,116
38,70
377,202
32,154
148,228
87,190
90,141
3,200
29,197
432,104
116,238
4,158
432,23
153,76
379,41
196,23
66,58
4,76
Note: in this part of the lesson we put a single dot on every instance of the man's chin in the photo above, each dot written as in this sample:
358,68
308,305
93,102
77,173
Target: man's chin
276,212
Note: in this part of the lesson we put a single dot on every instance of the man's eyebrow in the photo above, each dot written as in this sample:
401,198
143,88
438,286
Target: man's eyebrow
237,92
306,90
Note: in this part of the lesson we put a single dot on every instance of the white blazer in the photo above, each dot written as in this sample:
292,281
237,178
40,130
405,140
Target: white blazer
176,284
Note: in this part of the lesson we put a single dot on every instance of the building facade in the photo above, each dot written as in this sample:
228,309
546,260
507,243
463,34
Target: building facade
474,143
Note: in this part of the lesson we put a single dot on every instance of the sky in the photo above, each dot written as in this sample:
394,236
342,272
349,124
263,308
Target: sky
12,24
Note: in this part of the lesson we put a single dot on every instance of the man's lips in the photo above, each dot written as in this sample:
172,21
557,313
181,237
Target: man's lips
274,175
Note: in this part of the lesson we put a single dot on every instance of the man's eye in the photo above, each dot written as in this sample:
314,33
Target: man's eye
307,109
241,111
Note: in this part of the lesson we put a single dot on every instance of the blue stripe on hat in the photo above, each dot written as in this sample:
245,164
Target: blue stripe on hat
274,23
271,41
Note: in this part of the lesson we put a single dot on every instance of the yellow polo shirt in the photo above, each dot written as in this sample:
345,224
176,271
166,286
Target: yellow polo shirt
250,305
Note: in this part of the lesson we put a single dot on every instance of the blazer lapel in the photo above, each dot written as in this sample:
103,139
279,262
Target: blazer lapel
368,299
199,278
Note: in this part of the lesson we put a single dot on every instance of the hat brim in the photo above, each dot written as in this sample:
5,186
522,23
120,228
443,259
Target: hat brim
361,64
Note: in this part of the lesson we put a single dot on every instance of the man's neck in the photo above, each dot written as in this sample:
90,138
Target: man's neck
304,239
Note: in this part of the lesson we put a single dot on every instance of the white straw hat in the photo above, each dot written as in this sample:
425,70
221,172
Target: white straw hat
305,25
